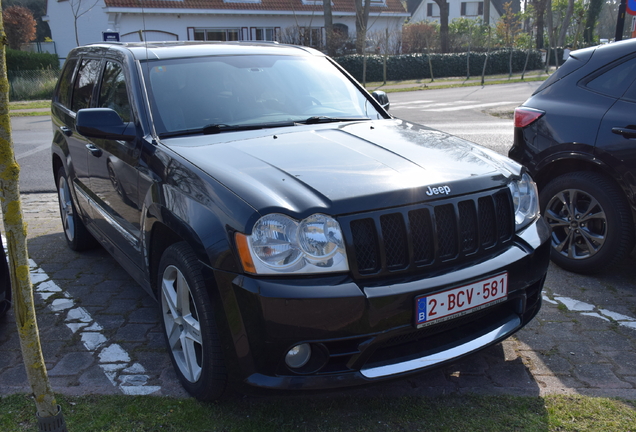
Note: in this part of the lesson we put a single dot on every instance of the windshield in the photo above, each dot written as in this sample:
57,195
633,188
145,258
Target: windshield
229,93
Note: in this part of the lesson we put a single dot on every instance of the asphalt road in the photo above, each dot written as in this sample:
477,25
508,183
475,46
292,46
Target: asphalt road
32,138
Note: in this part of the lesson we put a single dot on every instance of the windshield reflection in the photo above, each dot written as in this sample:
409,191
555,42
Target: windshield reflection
189,94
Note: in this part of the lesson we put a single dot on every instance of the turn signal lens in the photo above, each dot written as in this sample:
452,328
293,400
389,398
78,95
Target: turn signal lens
526,116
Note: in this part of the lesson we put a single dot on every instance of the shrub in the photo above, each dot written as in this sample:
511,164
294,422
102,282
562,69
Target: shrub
23,61
415,66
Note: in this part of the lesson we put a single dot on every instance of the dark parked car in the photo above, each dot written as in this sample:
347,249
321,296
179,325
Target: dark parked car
296,235
576,134
5,282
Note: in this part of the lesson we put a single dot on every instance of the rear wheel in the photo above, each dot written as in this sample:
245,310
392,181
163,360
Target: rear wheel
77,236
591,221
189,324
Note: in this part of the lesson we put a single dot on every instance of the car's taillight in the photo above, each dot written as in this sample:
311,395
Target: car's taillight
525,116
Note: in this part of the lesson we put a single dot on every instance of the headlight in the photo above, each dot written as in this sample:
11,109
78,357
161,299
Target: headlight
280,244
525,199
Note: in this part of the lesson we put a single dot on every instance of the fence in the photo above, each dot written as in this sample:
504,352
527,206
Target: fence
32,85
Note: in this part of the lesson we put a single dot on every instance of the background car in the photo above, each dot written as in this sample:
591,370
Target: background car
5,282
577,135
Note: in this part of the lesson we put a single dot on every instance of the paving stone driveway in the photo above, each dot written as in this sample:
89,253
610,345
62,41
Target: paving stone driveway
101,334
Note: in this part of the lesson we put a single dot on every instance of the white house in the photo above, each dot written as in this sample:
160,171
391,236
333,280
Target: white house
428,10
294,21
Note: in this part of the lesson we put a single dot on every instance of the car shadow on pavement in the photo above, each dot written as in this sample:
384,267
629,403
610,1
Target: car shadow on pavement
87,304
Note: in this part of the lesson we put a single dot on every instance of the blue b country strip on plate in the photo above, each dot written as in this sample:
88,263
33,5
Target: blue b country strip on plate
456,302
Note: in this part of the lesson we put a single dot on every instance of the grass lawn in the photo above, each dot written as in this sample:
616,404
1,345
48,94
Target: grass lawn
319,413
29,108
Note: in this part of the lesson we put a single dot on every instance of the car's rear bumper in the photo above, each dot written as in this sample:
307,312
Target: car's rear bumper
362,334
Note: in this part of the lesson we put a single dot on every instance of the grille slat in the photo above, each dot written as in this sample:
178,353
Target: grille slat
431,235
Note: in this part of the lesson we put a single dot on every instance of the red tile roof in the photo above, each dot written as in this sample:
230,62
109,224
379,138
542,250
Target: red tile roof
392,6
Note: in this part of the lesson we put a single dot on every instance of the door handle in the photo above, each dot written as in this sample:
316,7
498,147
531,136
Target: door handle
625,132
66,131
94,150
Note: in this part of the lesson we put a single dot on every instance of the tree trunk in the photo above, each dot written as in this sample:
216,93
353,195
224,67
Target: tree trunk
443,24
593,11
525,65
487,12
362,20
566,23
15,228
539,6
329,36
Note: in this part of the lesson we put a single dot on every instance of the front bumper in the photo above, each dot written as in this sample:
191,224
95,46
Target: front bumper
365,333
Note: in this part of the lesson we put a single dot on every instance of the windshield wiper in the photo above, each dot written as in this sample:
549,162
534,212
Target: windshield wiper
221,127
325,119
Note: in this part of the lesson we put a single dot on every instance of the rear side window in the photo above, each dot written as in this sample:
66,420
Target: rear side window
85,83
613,82
63,91
576,60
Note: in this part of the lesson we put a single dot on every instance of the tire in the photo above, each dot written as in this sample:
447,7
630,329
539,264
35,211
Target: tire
189,324
77,236
592,226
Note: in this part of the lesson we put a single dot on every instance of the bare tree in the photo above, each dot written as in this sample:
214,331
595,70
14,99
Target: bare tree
78,10
362,20
443,24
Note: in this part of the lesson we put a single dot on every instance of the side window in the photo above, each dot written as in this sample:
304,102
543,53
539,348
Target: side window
112,93
630,94
63,91
616,80
85,83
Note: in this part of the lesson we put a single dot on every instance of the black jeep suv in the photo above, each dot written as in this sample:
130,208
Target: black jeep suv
296,235
576,134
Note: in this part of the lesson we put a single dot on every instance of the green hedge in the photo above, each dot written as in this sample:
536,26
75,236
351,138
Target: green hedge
415,66
24,60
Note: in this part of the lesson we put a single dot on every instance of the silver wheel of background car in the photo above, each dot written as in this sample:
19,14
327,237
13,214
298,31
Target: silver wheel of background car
590,219
189,324
77,236
181,323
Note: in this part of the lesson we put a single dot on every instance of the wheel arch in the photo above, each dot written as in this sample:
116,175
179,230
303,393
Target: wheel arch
561,164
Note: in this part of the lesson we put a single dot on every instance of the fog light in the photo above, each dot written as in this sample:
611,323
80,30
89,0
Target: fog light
298,356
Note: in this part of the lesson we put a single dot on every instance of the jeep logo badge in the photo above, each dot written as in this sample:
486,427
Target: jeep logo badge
445,190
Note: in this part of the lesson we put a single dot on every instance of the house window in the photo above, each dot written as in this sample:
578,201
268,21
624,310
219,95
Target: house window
217,34
264,34
472,8
311,37
432,10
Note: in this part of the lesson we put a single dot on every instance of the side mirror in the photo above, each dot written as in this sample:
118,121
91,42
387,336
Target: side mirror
103,123
382,98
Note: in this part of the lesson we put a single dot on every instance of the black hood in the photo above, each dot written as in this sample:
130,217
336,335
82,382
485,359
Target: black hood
344,168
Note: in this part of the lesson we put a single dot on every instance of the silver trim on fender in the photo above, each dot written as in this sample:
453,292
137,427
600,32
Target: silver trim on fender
430,360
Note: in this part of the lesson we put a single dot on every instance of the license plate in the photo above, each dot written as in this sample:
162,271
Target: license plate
435,308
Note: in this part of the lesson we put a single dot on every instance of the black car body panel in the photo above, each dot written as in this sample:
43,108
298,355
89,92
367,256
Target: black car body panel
587,125
5,283
419,212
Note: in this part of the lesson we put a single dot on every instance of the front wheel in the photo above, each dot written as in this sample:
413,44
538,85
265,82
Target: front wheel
189,324
591,221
